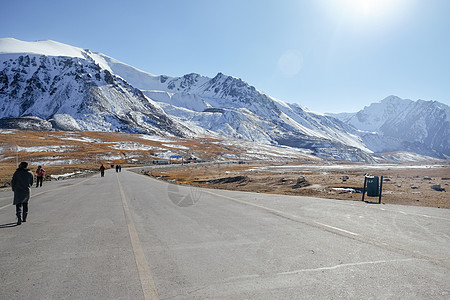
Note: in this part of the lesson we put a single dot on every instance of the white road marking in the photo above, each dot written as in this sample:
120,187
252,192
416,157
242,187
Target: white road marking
147,283
7,205
348,265
47,191
336,228
284,214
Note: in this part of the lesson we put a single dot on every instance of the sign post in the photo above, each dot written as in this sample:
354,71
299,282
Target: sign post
374,187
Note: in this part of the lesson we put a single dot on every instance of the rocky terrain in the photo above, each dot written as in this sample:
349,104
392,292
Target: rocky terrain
228,164
403,184
48,85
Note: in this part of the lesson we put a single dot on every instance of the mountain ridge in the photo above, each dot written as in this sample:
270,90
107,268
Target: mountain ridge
87,90
395,124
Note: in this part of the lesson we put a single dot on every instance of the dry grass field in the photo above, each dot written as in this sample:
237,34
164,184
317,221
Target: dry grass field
404,185
83,152
68,152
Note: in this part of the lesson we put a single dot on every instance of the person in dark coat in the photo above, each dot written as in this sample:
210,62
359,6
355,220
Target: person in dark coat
102,170
21,182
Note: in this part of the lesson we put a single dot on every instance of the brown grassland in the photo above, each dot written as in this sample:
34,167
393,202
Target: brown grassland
68,152
405,186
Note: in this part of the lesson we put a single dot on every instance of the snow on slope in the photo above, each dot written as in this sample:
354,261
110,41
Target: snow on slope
403,156
372,117
396,124
73,89
80,89
49,48
190,97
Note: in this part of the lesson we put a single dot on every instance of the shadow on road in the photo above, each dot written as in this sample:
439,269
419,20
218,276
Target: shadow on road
8,225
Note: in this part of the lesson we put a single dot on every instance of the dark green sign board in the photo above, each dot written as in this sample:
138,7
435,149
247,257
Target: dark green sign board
373,185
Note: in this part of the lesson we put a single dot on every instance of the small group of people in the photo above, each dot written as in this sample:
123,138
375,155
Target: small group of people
102,169
21,183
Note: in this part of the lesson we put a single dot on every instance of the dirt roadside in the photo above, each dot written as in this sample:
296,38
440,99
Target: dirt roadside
402,184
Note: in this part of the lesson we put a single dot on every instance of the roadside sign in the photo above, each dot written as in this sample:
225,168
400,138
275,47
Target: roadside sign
373,185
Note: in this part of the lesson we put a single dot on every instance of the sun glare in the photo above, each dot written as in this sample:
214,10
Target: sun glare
368,8
365,10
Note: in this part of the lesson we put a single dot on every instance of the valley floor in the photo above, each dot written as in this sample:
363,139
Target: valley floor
405,185
256,167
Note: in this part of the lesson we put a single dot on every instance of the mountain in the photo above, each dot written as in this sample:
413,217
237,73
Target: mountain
396,124
73,89
46,84
229,106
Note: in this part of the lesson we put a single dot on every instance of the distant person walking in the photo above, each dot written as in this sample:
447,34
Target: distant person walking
117,168
21,182
40,173
102,170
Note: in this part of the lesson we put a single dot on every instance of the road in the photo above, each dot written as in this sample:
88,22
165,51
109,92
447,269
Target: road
127,236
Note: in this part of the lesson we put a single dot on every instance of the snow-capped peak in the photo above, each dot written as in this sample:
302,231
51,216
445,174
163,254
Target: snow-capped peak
49,48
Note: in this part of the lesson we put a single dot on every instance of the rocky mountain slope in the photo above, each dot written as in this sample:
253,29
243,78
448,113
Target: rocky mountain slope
396,124
76,89
49,85
75,93
229,106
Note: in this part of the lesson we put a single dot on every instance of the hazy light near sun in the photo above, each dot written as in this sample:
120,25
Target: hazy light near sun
290,63
365,10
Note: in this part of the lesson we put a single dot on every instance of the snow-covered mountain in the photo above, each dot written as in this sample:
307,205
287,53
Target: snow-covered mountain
229,106
64,87
396,124
73,89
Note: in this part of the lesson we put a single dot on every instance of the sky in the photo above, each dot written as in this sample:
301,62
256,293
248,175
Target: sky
326,55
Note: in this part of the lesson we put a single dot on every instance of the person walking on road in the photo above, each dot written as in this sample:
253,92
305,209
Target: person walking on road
40,173
21,182
102,170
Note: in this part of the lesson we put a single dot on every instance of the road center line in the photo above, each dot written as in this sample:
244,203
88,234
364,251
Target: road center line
147,283
284,214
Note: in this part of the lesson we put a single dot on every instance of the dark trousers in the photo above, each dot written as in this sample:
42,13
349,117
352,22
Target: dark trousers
39,180
19,210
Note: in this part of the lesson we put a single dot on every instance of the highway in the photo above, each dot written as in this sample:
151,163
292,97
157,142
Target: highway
128,236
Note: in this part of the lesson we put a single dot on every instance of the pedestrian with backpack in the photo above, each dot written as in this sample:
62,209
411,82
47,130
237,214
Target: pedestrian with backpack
40,173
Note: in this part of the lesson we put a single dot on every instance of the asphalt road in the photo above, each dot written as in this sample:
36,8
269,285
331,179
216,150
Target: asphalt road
127,236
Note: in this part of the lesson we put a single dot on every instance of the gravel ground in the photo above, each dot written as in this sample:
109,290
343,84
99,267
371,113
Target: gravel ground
402,184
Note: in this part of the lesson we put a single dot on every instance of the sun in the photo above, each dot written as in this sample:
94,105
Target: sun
365,10
368,8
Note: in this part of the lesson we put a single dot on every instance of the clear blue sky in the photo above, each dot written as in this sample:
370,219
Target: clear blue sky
327,55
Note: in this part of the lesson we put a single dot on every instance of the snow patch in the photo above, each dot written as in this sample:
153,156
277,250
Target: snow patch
4,131
176,146
156,138
48,148
64,176
132,146
82,139
49,48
